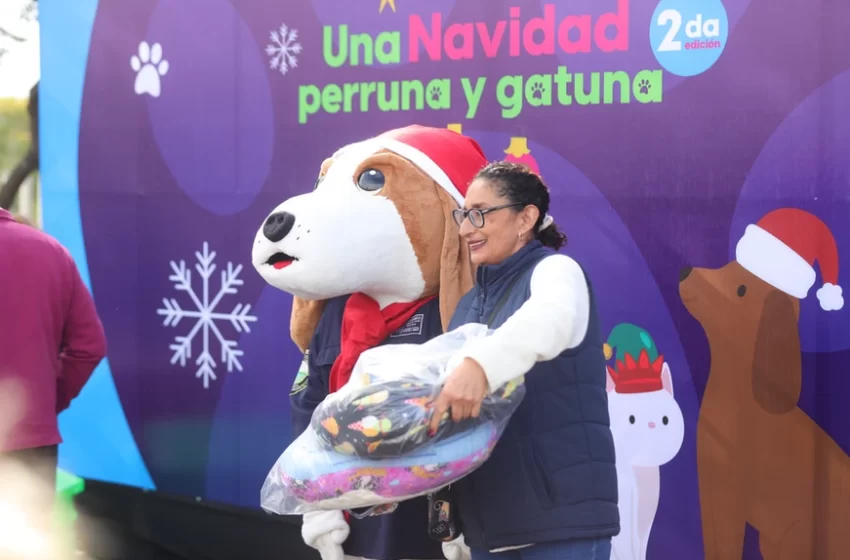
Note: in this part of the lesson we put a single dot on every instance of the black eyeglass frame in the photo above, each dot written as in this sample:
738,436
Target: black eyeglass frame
460,214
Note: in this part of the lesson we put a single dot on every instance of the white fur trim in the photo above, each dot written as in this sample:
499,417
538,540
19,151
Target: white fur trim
425,163
830,297
773,261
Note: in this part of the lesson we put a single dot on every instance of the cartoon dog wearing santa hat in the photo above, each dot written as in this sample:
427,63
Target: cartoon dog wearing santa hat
761,459
372,256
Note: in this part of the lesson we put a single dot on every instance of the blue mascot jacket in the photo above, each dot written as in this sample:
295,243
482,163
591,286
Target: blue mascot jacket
404,533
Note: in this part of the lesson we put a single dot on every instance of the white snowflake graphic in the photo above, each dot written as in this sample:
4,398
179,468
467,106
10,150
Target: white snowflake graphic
283,49
205,316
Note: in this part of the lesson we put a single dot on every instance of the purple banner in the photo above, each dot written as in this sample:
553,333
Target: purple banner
673,134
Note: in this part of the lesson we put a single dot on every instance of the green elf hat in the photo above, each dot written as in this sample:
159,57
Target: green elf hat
627,338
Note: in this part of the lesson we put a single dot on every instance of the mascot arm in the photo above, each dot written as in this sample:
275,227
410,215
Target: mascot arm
306,397
456,549
324,531
311,386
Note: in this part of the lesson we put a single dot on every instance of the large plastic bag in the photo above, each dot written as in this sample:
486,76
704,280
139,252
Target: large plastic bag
368,443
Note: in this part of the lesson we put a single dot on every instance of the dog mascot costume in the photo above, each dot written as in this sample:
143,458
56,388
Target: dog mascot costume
372,256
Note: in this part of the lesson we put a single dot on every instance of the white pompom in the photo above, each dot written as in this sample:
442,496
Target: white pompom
830,297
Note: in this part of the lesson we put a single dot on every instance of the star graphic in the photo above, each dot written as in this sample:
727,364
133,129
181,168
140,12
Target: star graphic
384,4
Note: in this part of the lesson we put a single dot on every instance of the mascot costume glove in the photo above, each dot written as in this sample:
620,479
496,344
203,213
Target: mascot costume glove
457,550
325,531
373,244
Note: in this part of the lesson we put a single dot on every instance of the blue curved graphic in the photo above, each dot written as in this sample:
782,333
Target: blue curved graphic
687,38
98,443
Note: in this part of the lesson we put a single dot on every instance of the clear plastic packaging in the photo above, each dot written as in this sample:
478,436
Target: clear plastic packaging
368,443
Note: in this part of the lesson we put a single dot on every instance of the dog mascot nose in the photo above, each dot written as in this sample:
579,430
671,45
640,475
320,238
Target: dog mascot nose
683,273
278,225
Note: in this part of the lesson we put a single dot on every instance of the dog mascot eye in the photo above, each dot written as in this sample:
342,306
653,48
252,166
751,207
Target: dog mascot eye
371,180
632,419
742,290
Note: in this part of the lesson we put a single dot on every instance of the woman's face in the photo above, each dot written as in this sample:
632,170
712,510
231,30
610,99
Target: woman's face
504,232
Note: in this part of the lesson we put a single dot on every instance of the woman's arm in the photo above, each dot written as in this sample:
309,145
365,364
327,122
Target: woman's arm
553,319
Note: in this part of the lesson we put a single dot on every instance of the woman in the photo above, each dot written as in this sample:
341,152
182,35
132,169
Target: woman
549,489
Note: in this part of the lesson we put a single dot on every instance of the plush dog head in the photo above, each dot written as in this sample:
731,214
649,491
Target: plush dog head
378,222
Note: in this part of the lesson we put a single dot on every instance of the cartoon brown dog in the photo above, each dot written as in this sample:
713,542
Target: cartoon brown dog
761,459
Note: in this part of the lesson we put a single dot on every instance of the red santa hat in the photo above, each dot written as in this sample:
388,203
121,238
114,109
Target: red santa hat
782,248
449,158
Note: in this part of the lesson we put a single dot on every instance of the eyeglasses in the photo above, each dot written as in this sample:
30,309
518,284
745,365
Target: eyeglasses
476,215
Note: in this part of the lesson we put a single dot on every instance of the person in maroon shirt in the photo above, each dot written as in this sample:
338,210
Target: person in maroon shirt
51,339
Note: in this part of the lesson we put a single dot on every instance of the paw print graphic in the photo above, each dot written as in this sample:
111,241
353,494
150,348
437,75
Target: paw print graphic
537,90
435,93
149,67
643,86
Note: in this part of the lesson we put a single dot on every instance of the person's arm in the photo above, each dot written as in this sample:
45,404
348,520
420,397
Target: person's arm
83,341
305,398
553,319
324,530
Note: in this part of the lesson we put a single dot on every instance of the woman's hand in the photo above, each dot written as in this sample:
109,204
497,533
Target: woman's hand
462,393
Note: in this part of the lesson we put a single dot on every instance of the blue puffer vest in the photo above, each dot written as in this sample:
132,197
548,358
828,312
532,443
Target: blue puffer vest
552,476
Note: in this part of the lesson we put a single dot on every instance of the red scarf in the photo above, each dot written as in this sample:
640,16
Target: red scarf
365,325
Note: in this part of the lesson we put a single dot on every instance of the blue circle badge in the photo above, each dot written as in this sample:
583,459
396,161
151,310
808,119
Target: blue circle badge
688,36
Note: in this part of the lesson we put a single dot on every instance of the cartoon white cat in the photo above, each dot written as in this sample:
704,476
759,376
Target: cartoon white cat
648,430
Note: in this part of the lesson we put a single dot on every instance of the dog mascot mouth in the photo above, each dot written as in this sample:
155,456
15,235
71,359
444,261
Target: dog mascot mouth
280,260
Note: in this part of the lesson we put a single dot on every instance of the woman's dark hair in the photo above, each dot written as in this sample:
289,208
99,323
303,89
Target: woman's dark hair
520,185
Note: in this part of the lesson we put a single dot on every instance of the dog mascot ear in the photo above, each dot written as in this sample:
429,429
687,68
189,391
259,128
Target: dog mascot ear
304,320
777,363
456,275
306,313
